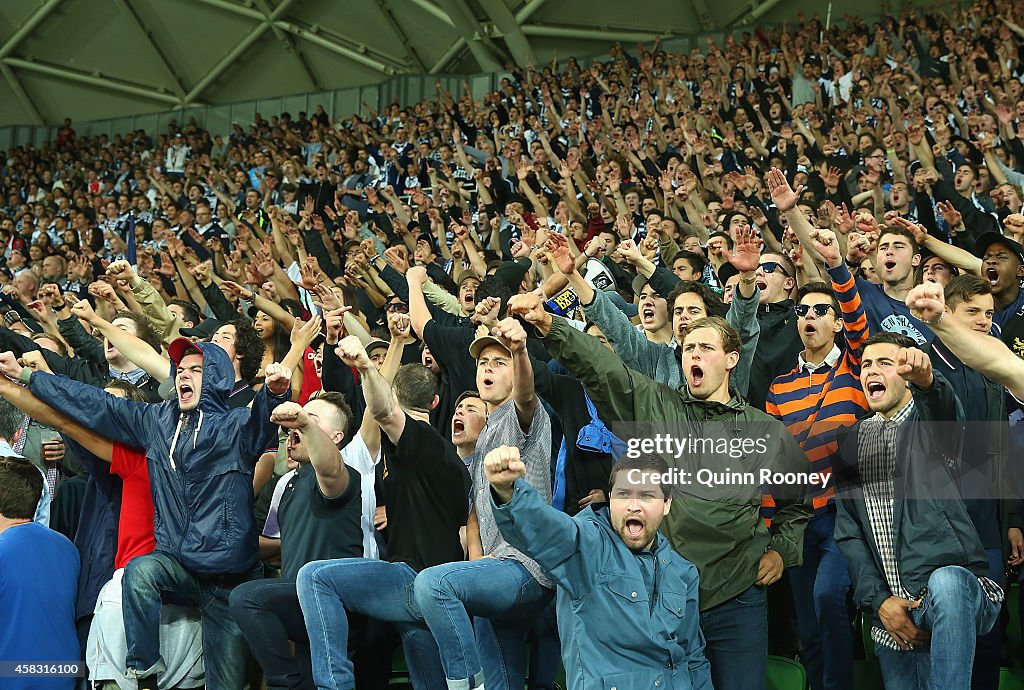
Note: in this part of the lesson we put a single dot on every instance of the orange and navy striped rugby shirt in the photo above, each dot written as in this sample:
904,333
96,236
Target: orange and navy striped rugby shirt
816,405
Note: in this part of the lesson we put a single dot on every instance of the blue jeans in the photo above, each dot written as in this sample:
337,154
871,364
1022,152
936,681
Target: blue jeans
376,589
736,639
156,578
820,587
957,612
503,598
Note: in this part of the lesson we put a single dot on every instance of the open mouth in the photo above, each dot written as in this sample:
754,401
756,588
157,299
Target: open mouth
186,393
761,285
634,528
992,275
294,438
428,361
889,265
647,315
810,329
875,390
696,375
458,426
488,382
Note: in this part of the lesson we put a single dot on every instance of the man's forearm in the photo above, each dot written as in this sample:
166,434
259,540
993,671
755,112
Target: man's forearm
136,350
983,353
523,388
377,393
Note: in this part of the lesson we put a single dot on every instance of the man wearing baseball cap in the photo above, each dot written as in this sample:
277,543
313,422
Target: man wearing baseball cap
501,588
1002,265
201,457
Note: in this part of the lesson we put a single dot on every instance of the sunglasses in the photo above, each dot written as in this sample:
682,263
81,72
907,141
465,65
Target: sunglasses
399,307
819,309
772,266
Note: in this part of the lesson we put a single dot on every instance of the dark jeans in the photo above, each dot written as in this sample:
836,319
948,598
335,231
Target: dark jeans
545,650
988,652
820,588
736,637
269,616
157,578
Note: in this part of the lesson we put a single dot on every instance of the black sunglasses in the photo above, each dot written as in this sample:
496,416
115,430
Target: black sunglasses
772,266
400,307
819,309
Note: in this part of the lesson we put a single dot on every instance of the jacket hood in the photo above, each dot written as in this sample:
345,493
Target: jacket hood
736,402
218,378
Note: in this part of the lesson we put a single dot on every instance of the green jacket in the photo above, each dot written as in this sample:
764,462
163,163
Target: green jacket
718,528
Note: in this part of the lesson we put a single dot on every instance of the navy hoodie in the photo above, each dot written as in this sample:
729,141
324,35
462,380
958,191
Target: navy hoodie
203,497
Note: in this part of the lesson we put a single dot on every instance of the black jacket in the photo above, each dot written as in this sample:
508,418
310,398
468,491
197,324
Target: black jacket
778,348
931,527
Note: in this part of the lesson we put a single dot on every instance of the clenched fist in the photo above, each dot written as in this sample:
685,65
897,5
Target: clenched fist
503,467
290,415
278,378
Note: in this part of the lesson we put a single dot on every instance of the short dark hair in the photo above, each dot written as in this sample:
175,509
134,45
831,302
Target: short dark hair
654,464
11,419
730,336
713,304
819,288
130,390
696,261
965,287
341,408
887,338
144,330
21,487
492,286
248,347
467,394
415,387
190,311
62,348
725,235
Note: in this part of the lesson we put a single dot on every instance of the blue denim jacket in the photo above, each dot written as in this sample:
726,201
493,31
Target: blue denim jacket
612,637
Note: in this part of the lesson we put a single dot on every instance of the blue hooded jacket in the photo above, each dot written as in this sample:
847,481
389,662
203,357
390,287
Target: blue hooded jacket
613,635
200,462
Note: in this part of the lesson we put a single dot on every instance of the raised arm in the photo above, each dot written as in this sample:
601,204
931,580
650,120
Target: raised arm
983,353
135,349
24,400
331,473
619,393
380,399
121,420
512,334
529,524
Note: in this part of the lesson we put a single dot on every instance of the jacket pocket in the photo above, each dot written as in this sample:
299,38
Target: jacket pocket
637,680
627,589
674,603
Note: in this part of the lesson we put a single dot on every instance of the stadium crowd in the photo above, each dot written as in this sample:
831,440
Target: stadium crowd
325,386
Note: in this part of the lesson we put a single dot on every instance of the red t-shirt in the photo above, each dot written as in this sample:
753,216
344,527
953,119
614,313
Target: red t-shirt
135,526
310,381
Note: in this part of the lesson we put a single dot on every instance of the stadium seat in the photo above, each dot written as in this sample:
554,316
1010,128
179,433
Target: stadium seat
865,636
867,675
1011,679
1013,632
786,674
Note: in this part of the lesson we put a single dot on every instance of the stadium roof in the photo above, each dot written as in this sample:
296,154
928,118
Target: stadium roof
93,59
